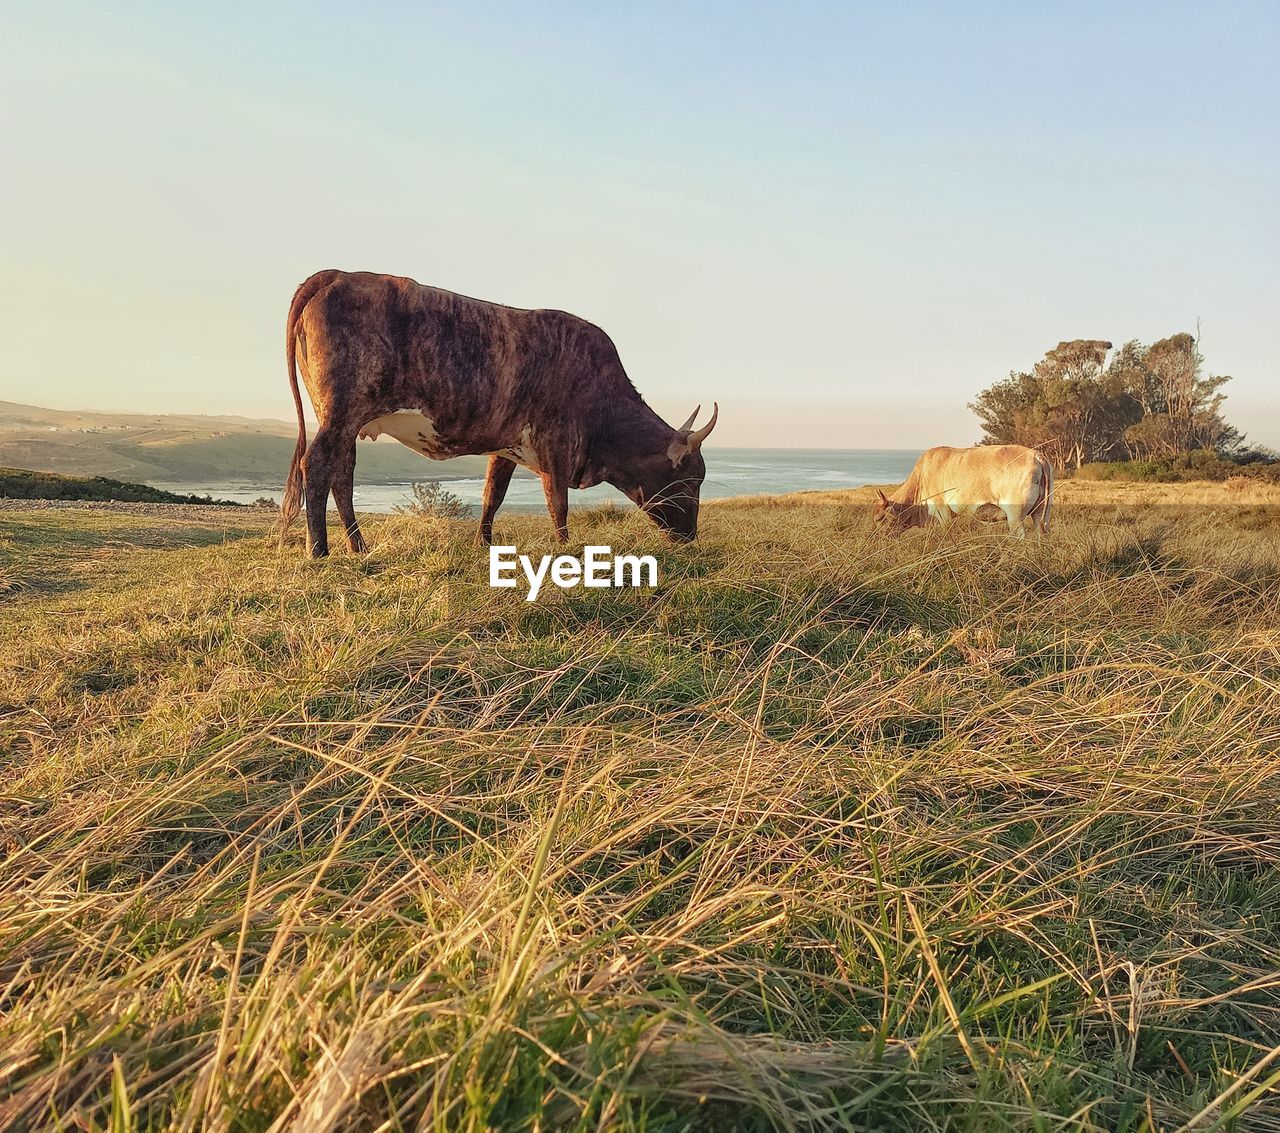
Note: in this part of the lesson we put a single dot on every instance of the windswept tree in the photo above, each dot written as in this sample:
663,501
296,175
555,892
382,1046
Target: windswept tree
1070,406
1083,409
1149,403
1006,411
1181,406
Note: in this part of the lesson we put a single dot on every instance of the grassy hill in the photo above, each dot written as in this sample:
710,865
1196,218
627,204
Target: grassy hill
831,830
21,484
160,448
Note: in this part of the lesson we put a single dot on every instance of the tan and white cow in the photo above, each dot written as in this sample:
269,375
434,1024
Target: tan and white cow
949,481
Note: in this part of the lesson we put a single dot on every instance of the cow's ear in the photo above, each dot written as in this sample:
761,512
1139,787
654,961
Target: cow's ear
883,497
678,449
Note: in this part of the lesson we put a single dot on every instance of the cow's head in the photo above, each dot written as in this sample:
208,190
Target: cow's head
895,516
667,483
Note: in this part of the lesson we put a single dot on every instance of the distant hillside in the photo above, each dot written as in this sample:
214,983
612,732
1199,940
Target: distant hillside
20,484
181,448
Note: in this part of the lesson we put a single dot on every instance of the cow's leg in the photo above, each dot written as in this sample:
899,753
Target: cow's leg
344,479
556,489
318,468
1040,516
1017,525
1035,520
496,479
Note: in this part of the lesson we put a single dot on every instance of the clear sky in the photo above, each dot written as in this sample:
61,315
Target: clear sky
839,221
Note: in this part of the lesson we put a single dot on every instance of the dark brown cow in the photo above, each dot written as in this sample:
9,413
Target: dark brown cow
452,376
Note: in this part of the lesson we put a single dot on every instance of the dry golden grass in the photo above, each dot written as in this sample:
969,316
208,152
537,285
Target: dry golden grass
832,830
1069,494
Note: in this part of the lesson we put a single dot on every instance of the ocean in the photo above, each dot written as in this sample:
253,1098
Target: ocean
730,472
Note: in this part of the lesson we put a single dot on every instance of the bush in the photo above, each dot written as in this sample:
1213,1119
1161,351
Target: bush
1201,464
432,499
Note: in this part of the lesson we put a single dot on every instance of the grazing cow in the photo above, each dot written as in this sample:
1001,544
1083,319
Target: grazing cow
451,376
948,481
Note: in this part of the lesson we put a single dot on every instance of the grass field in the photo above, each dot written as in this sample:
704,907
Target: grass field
828,831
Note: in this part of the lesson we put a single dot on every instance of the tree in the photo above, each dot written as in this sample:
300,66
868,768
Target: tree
1005,410
1085,410
1070,406
1181,407
1149,403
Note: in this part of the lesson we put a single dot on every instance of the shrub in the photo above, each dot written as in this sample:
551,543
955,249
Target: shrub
1200,464
432,499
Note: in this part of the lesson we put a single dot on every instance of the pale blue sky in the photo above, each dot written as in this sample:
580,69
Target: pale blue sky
839,222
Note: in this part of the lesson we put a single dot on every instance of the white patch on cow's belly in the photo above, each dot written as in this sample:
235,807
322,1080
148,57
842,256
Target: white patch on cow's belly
523,453
411,427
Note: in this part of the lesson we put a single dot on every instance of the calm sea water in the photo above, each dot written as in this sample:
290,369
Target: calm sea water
730,472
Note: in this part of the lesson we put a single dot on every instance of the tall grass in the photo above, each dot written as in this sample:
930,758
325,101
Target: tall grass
829,831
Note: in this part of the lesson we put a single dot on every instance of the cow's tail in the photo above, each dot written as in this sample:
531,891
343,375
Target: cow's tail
1044,505
291,503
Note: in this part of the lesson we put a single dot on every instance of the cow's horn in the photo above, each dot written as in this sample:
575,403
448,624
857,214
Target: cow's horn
696,439
689,423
